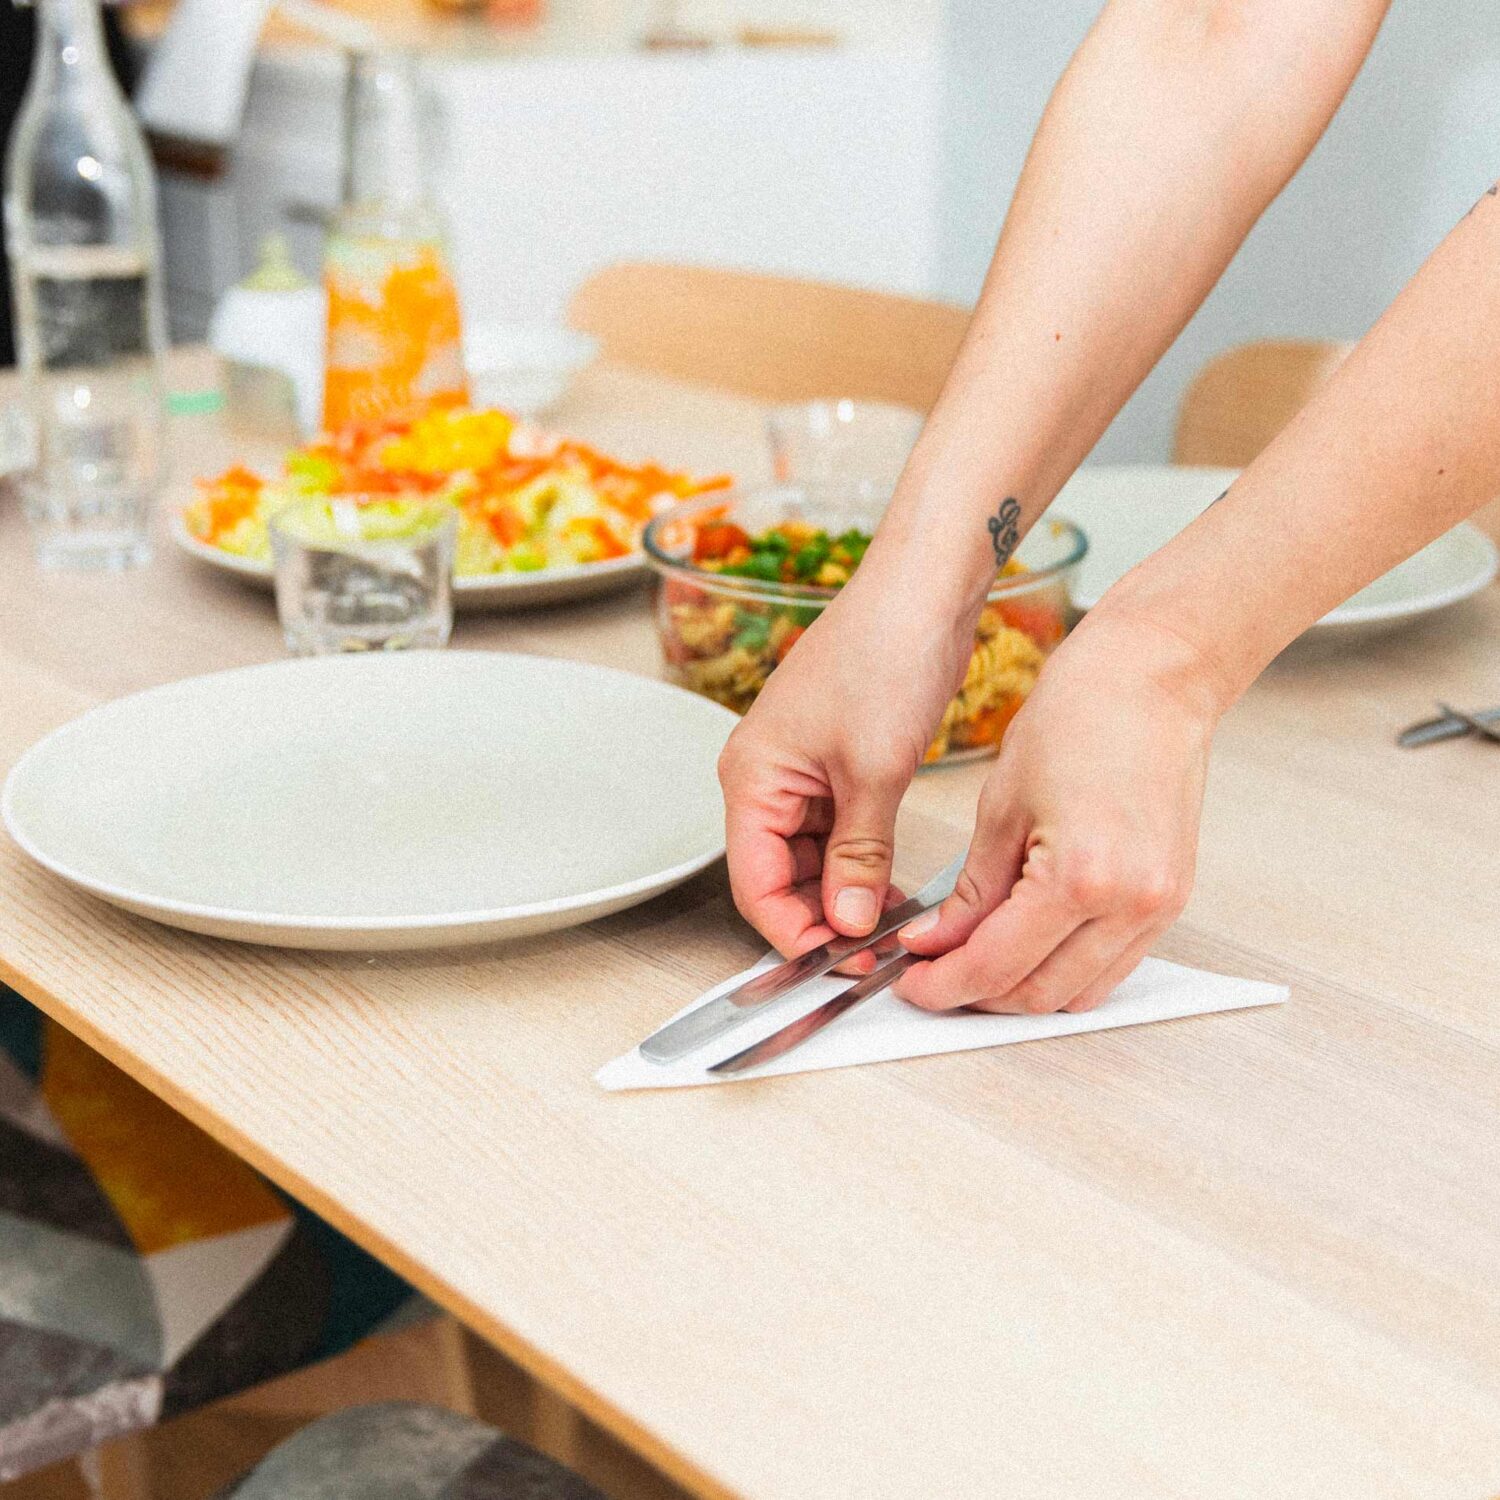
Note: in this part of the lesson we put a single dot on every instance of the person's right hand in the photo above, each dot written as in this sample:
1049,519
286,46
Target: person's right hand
815,772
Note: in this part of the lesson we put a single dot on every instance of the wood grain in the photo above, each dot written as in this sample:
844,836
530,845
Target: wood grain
774,338
1241,1256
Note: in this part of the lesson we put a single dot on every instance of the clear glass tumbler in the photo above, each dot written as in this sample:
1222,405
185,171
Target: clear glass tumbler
859,447
364,574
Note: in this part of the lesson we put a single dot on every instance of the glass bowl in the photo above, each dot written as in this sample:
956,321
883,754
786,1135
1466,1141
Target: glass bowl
723,635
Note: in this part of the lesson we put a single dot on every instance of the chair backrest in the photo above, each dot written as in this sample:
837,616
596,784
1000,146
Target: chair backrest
774,338
1238,402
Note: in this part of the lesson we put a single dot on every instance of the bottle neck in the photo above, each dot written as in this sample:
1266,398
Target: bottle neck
387,134
70,50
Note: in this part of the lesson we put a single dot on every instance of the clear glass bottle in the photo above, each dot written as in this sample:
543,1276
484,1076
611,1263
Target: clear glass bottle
81,226
394,342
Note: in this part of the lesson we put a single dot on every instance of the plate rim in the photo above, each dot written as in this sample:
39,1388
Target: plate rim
256,570
473,918
1347,613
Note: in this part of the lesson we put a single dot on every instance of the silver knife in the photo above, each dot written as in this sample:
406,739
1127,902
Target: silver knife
781,1042
726,1013
1471,721
1449,727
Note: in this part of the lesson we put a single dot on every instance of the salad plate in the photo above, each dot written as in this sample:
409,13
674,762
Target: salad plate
541,517
380,802
486,591
1131,510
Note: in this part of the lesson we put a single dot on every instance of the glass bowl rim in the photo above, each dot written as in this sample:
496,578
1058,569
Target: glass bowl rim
685,570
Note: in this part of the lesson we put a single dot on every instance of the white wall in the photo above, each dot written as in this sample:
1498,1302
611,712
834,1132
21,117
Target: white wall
1415,144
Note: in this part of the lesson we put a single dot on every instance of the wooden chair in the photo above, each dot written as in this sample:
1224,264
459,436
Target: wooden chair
772,338
1238,402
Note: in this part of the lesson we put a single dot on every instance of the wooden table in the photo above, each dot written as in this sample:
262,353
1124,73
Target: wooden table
1242,1256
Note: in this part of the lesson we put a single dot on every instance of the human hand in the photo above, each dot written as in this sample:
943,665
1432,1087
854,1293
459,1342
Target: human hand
1086,837
815,772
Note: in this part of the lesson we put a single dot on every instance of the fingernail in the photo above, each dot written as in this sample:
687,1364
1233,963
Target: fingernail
921,926
855,906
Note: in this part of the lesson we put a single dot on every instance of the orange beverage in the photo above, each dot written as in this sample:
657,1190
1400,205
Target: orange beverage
394,331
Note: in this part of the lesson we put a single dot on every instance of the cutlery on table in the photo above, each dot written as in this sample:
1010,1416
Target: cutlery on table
1480,727
726,1013
1451,725
781,1042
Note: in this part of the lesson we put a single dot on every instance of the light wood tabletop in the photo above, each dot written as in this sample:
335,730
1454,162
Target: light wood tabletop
1242,1256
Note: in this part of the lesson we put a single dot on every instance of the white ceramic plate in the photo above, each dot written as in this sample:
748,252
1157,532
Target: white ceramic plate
1130,510
415,800
496,591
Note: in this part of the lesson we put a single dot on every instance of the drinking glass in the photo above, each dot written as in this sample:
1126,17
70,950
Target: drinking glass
859,447
364,573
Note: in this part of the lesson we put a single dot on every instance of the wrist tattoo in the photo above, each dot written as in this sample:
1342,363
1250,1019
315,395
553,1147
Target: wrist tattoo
1005,530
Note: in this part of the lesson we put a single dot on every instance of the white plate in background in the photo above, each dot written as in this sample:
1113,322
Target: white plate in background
1128,511
389,801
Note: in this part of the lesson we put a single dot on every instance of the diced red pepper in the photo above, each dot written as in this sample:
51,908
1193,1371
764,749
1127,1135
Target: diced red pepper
505,522
717,540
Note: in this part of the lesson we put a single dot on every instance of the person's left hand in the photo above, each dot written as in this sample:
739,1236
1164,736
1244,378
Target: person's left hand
1084,848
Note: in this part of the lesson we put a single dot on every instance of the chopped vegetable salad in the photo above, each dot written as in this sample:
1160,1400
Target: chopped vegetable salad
526,500
725,644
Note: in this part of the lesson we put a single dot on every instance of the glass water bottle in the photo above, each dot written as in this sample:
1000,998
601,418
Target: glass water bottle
393,321
80,220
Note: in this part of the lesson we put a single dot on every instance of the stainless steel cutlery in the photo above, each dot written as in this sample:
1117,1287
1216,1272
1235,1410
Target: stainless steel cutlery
1451,724
722,1016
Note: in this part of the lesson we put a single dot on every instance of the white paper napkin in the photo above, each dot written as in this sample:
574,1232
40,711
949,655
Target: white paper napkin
885,1028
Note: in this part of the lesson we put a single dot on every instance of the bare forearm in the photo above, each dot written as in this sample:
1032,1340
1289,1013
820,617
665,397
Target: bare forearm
1175,125
1402,444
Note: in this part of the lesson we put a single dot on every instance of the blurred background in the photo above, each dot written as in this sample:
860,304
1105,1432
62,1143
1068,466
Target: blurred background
873,142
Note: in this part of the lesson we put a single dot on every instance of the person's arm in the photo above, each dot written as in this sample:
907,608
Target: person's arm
1084,851
1174,126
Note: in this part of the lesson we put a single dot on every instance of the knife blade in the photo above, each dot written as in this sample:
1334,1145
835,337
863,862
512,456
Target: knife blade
779,1043
725,1013
1476,722
1448,727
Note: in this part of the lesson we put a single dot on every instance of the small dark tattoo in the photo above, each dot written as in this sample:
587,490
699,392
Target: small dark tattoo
1005,530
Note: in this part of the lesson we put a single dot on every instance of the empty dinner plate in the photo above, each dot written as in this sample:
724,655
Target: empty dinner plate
413,800
1129,510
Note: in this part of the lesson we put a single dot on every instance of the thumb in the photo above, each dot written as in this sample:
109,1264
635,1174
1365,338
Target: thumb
857,857
991,870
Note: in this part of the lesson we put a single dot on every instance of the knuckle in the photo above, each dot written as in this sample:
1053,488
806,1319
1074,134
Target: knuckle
864,853
1148,894
969,890
1088,878
1033,999
985,974
1157,893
